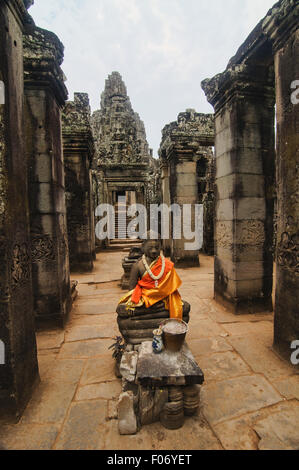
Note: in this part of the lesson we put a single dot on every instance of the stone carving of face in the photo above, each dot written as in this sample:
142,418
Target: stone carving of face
152,249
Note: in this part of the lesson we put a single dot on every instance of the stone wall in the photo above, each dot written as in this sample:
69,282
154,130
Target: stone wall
244,97
20,371
282,28
78,155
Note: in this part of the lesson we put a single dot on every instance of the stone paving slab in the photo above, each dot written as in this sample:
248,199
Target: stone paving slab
195,435
263,329
106,391
95,308
221,315
51,340
204,328
239,433
65,371
111,440
99,369
105,320
28,437
207,346
222,366
279,431
231,398
85,349
85,332
249,392
49,403
288,387
252,350
83,427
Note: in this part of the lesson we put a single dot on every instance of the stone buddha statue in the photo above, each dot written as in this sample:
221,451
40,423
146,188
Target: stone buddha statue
153,295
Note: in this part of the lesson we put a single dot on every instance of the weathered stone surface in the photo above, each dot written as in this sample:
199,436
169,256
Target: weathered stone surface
65,371
167,368
106,391
50,341
239,433
223,366
78,151
111,439
243,123
195,435
188,176
20,372
207,346
151,404
288,387
279,431
85,332
49,403
252,350
45,93
28,437
85,349
231,398
99,369
128,366
286,47
82,429
127,423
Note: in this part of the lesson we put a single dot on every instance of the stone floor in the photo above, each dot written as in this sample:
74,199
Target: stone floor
250,399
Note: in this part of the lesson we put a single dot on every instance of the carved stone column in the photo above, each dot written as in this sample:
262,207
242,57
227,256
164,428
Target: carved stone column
166,244
45,94
283,30
183,190
18,365
186,148
78,153
243,98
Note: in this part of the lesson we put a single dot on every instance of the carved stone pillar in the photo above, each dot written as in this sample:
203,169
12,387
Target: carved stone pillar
243,98
284,33
185,153
18,364
78,153
183,190
166,244
45,94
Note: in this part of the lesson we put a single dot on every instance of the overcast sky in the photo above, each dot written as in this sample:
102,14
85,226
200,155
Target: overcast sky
162,48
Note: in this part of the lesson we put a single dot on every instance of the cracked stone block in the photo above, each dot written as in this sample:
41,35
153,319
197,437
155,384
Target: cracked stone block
151,404
128,365
127,423
279,431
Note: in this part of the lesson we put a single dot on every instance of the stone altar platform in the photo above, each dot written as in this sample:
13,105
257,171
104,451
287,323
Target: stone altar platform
157,387
167,368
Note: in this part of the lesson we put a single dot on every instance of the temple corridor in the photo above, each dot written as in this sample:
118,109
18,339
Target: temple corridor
248,401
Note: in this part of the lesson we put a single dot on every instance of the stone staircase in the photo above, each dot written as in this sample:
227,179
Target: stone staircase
122,242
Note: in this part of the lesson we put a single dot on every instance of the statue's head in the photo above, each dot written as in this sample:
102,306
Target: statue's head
152,246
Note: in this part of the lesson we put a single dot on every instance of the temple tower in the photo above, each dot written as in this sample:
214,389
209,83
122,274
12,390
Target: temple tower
122,152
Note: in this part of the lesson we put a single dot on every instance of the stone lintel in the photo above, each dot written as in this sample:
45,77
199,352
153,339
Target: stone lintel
77,144
43,55
240,81
282,22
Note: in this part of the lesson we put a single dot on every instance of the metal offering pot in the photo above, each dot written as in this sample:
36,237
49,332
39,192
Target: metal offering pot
174,334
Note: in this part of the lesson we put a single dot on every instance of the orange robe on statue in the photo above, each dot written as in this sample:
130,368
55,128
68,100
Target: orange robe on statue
147,294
